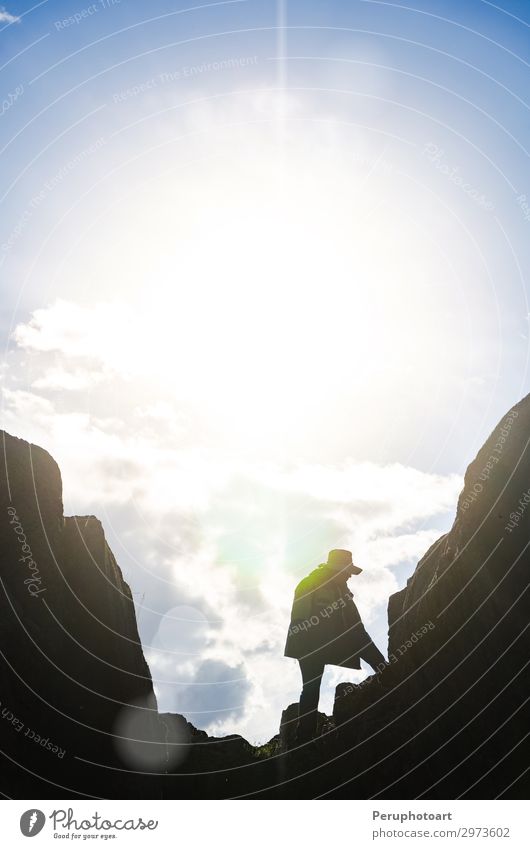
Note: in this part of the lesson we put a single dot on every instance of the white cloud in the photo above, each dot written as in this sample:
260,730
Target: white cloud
217,690
104,333
7,17
23,406
62,379
197,523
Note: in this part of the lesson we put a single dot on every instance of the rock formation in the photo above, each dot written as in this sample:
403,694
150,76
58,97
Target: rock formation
71,655
449,715
447,718
79,715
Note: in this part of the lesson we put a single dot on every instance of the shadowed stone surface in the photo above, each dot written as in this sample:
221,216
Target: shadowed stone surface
447,717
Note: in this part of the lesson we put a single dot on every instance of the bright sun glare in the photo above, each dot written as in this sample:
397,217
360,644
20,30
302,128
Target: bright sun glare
262,287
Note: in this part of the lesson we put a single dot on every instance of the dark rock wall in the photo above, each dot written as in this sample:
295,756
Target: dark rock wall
455,694
447,718
71,655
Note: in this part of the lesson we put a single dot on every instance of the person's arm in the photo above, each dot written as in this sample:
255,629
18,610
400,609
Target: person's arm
372,655
369,651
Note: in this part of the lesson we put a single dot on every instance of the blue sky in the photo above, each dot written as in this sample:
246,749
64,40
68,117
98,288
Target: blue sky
264,275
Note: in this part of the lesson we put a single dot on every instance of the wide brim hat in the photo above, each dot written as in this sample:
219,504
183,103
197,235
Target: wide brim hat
340,558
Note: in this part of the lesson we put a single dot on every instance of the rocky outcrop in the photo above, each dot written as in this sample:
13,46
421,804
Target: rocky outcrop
71,655
78,713
447,718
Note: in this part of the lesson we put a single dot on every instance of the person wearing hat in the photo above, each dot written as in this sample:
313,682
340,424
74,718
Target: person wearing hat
326,628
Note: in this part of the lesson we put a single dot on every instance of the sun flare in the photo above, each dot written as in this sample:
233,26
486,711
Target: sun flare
262,285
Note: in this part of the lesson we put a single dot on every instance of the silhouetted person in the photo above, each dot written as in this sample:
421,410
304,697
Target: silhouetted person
326,628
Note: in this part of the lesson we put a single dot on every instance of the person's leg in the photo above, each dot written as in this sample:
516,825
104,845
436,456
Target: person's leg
312,671
373,656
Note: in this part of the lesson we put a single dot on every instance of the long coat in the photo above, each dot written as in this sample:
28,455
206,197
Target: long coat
325,624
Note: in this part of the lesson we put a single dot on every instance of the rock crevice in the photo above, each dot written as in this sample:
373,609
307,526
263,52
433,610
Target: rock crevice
447,718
